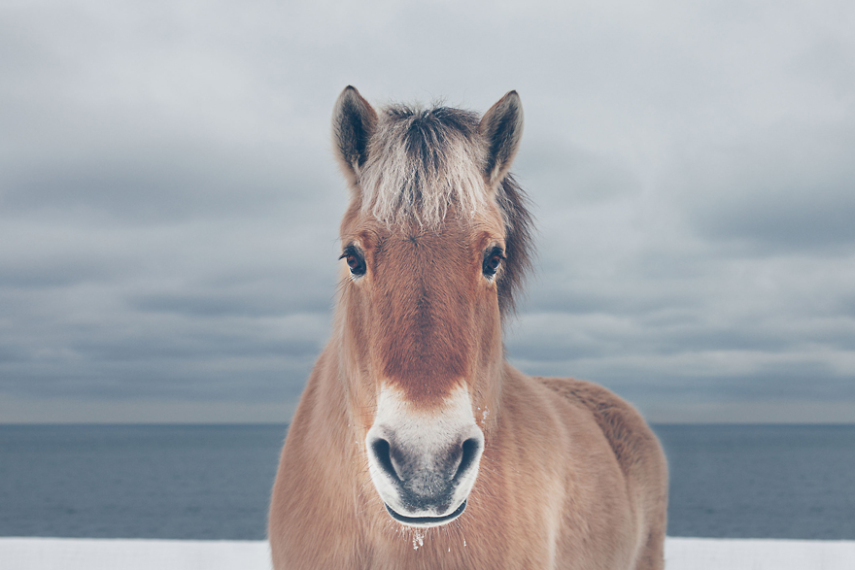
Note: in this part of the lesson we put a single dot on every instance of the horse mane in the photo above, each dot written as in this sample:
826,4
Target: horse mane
519,246
421,161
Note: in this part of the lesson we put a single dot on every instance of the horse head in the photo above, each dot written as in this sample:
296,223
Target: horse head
434,244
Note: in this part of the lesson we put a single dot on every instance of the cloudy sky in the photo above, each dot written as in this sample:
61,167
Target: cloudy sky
169,203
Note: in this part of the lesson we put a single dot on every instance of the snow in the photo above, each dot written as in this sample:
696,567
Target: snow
123,554
748,554
126,554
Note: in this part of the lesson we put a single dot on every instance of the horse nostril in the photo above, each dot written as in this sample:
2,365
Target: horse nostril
469,452
383,452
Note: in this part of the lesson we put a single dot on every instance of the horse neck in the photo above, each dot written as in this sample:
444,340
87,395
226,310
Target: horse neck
325,403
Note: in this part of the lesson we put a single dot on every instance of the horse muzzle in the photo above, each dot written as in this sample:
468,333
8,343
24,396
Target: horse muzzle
424,465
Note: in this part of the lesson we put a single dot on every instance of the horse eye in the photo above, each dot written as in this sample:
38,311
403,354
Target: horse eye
492,261
354,261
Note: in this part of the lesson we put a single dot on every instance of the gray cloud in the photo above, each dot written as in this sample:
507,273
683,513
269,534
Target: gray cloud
784,190
169,204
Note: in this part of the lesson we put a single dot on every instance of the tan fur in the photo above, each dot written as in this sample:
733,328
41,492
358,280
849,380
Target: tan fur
571,477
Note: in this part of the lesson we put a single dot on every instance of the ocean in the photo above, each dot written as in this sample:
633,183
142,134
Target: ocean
213,481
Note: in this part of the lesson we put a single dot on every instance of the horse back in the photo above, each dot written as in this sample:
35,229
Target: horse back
638,453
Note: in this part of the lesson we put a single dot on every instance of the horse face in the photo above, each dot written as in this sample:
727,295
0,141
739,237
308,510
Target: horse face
423,244
424,320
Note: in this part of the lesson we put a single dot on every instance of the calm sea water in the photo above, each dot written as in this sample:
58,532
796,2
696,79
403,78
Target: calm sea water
213,482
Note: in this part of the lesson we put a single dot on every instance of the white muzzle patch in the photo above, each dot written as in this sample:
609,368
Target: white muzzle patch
424,464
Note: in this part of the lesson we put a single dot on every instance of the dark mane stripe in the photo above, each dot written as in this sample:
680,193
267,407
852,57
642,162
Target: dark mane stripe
422,161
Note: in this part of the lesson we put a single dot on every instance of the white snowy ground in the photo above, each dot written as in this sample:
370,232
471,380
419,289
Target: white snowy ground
116,554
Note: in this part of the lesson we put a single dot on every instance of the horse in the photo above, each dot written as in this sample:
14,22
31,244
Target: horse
415,444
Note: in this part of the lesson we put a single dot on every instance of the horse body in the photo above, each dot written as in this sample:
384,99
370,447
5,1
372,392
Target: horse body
415,444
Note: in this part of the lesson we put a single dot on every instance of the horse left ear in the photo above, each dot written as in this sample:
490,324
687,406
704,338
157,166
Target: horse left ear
502,128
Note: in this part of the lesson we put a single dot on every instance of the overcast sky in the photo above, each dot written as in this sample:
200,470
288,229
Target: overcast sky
169,203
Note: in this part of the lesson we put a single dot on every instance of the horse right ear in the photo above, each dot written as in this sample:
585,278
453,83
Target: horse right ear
353,124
